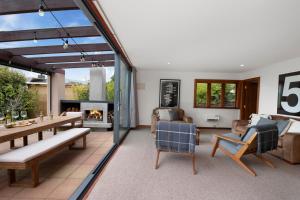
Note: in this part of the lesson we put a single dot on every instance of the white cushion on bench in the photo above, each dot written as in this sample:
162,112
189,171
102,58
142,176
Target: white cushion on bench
31,151
70,124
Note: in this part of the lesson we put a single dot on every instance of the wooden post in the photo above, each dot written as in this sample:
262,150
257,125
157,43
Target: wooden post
35,174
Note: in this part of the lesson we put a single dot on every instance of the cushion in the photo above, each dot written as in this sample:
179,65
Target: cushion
264,121
31,151
70,124
173,115
295,127
256,117
74,114
283,126
164,114
231,146
248,134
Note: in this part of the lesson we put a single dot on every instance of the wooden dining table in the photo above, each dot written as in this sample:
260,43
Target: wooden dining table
10,134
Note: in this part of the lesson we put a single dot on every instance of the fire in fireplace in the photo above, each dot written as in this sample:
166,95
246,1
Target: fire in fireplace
94,115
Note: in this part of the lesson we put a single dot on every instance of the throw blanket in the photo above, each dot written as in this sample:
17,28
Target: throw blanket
267,138
176,137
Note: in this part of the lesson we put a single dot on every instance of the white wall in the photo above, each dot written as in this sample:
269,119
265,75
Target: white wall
148,96
269,82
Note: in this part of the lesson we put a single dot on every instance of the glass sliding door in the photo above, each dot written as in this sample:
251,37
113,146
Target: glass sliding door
122,99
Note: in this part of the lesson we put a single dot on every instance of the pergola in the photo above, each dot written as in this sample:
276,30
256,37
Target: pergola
32,58
52,59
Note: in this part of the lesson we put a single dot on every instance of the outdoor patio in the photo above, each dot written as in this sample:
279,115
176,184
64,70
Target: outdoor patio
61,174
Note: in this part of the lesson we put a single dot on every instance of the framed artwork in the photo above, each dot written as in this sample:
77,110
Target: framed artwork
289,94
169,93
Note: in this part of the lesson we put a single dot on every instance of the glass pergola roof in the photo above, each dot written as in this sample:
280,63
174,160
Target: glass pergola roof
28,40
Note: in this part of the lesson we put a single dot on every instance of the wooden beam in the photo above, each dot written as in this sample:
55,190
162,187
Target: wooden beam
49,33
26,6
21,62
57,59
80,65
59,49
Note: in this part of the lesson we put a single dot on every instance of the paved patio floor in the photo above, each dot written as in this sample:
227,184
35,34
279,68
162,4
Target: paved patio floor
61,174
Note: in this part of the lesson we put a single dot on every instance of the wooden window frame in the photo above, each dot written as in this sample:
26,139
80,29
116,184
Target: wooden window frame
208,94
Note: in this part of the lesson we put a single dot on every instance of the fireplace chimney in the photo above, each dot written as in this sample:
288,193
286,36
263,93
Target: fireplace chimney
97,84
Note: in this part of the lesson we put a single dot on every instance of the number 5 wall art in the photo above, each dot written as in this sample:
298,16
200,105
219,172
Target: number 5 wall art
289,94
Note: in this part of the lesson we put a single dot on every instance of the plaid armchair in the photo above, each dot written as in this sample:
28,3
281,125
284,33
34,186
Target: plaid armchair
155,117
176,137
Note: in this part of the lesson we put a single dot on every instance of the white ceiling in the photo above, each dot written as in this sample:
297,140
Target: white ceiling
206,35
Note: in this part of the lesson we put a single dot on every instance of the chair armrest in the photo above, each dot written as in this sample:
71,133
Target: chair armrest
63,114
230,139
236,123
239,127
187,119
154,120
291,147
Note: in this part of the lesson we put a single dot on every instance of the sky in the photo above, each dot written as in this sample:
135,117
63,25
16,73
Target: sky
34,21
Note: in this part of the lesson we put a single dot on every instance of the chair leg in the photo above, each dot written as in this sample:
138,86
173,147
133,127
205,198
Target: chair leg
216,145
194,164
244,166
11,176
265,160
157,158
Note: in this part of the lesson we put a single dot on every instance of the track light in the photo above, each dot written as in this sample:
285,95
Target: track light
66,44
35,38
41,9
82,58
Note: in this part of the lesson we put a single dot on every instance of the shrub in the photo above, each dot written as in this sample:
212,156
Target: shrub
14,93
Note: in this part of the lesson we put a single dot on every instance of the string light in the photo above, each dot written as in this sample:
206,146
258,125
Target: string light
35,38
41,9
82,58
66,44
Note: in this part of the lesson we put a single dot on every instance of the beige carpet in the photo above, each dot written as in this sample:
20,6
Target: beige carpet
131,175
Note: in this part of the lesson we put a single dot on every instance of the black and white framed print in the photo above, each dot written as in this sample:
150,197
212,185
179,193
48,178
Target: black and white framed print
289,94
169,93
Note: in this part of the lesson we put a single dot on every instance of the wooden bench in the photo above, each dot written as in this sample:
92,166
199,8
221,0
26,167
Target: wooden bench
30,156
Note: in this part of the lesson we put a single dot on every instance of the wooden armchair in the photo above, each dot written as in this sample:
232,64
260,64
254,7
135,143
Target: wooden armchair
235,147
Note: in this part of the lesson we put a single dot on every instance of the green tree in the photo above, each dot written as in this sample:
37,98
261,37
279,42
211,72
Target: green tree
14,93
81,91
110,89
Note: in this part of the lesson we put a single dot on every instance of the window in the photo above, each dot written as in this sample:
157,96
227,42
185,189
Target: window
201,94
215,94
